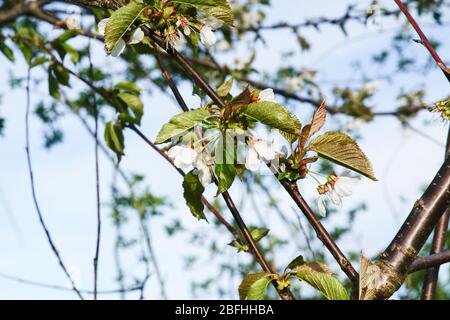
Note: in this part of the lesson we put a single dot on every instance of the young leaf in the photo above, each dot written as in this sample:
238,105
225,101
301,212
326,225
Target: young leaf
259,233
219,9
53,86
180,124
318,120
9,54
120,21
225,88
134,103
254,286
298,261
193,191
274,115
342,150
225,174
114,139
128,86
319,277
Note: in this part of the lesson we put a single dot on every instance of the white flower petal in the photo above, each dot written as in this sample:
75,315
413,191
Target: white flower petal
267,95
118,48
137,36
266,150
102,25
182,157
335,198
344,185
204,175
252,161
321,205
207,36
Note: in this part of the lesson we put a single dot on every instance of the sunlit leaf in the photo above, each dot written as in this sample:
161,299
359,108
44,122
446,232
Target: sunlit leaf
342,150
318,276
254,285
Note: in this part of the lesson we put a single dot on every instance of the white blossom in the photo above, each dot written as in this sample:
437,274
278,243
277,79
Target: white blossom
207,36
182,156
184,24
267,95
252,160
259,151
371,87
251,19
355,124
336,188
294,84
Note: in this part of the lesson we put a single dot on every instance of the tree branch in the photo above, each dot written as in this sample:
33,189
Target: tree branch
439,238
434,260
393,264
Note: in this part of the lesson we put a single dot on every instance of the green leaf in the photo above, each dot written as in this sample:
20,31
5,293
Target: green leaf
342,150
38,61
61,74
274,115
254,285
259,233
225,88
134,103
181,123
298,261
120,21
53,85
73,54
128,86
219,9
225,174
319,277
193,191
9,54
114,139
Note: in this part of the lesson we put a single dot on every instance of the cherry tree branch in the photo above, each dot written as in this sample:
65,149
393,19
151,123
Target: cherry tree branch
439,238
431,261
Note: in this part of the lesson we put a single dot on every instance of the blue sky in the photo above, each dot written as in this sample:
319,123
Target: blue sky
403,162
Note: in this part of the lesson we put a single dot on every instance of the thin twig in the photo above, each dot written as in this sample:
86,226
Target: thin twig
424,39
62,288
97,174
33,188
